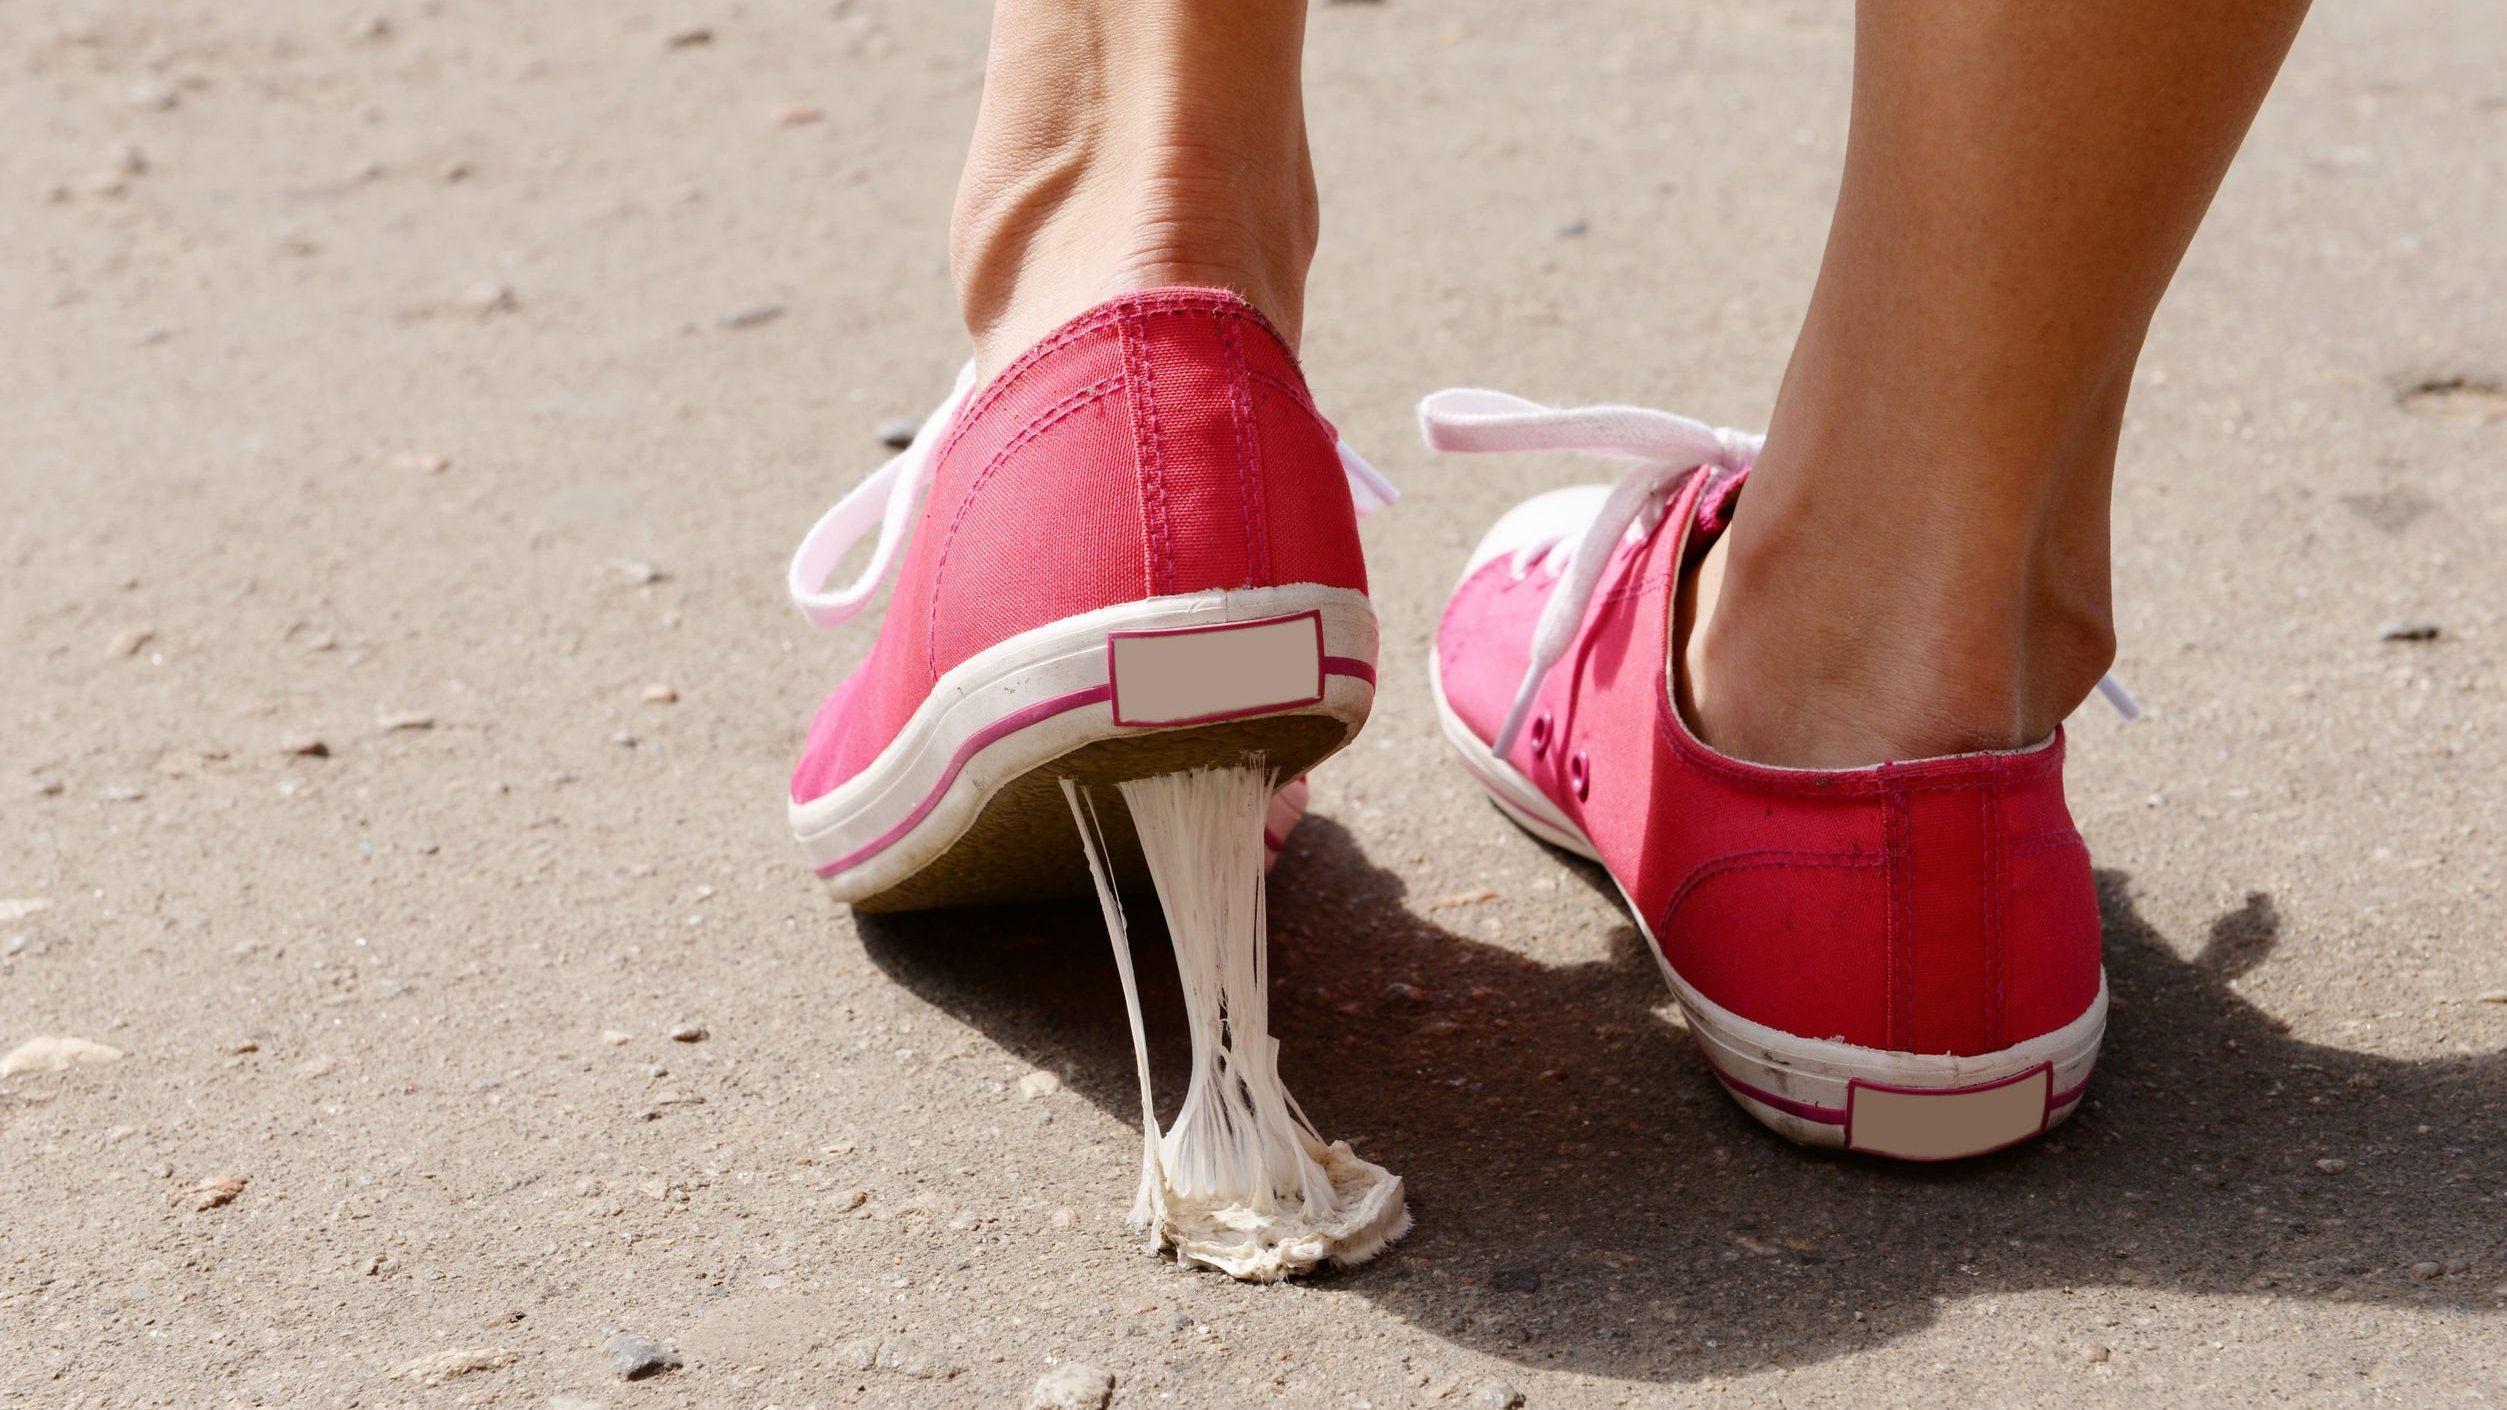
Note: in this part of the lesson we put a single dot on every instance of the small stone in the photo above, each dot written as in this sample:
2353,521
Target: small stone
2491,996
2332,1165
318,1066
1571,229
754,316
897,432
2405,629
688,1033
309,746
2457,1265
659,694
2098,1353
1496,1395
489,297
239,1049
127,643
635,1357
122,793
17,908
1066,1218
396,721
425,461
1039,1083
55,1055
798,115
1399,993
1073,1385
637,571
150,94
1515,1277
50,788
693,37
624,739
215,1192
616,1037
1462,898
846,1201
126,160
2427,1269
442,1366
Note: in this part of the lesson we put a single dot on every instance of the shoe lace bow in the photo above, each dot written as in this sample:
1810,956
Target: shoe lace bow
1665,448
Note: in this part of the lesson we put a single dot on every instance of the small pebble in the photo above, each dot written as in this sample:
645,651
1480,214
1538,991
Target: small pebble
1571,229
420,460
2406,630
14,908
1066,1218
51,1054
635,1357
2332,1165
2098,1353
309,746
437,1368
659,694
127,643
1462,898
897,432
846,1201
637,571
753,316
1496,1395
2491,996
799,115
488,297
624,739
122,793
395,721
150,94
615,1037
215,1192
2427,1269
693,37
239,1049
1073,1385
1039,1083
688,1033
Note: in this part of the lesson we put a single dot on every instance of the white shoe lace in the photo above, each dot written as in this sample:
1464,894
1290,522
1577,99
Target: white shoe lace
1665,447
891,495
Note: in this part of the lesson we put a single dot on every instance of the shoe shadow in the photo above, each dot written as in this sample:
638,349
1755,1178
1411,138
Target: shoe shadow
1588,1199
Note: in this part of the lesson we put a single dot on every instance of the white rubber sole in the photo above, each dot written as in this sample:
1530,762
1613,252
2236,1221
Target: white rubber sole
1139,668
1908,1106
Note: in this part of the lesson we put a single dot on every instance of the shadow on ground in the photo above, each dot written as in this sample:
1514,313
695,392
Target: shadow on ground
1587,1199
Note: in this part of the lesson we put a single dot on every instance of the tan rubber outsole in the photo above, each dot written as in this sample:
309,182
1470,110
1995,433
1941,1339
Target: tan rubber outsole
1023,846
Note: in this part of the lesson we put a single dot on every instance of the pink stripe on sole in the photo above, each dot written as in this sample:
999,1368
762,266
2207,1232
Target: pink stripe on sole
1011,724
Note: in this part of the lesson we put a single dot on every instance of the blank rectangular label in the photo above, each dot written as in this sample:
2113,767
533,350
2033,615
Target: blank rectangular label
1917,1125
1213,673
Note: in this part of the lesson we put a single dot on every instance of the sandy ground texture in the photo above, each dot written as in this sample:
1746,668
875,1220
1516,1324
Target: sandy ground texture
404,415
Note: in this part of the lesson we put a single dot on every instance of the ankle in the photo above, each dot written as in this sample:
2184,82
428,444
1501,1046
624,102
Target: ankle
1164,148
1804,665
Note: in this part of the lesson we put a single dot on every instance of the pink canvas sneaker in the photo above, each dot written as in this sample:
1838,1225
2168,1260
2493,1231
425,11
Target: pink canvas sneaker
1901,959
1133,552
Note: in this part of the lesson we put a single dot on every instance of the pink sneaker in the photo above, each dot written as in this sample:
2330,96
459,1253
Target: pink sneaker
1133,552
1901,959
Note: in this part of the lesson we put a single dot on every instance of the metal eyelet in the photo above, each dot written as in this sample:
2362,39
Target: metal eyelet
1540,734
1580,775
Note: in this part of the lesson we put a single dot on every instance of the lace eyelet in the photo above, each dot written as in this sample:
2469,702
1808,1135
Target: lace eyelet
1540,734
1580,775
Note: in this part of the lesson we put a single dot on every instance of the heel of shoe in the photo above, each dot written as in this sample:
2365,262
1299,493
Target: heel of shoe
1242,1182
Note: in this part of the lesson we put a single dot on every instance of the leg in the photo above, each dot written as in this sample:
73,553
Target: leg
1129,144
1920,567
